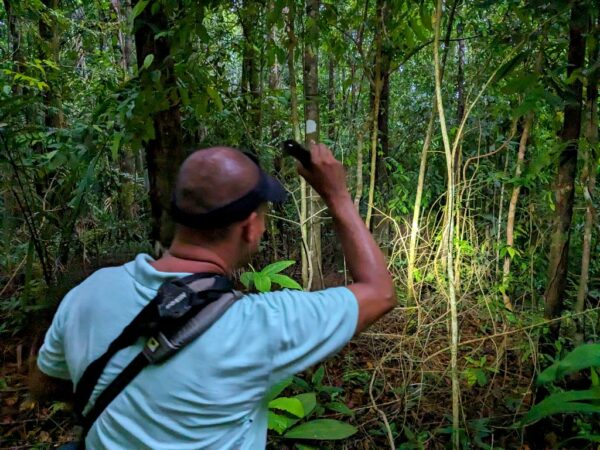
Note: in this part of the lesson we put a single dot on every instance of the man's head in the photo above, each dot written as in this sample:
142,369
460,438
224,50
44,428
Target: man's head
221,195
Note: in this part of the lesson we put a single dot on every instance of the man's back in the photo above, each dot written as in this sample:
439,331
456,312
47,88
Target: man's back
211,393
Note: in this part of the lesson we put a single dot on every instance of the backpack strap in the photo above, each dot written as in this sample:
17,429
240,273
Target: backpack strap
181,311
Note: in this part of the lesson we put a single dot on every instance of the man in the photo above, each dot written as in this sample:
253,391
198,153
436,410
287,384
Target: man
210,395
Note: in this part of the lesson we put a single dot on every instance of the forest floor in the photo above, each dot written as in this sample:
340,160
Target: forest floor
395,379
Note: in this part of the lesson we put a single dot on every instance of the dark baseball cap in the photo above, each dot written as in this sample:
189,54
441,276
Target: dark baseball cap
267,189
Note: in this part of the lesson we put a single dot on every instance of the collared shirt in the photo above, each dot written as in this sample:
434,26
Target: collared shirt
211,394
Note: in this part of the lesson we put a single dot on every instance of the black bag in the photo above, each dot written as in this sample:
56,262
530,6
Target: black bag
181,311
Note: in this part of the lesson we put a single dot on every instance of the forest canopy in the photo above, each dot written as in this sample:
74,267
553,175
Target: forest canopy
469,133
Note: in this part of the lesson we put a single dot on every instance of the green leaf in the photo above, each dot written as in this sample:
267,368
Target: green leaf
215,97
278,388
277,267
309,402
584,356
139,8
288,404
246,279
340,407
564,402
262,282
279,422
317,377
321,429
147,61
284,281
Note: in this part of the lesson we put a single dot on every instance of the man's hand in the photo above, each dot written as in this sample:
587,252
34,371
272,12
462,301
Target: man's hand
373,286
326,175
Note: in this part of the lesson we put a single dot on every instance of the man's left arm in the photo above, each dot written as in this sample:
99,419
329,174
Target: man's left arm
49,375
43,387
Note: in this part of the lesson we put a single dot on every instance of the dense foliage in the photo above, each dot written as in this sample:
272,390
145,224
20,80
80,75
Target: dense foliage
469,131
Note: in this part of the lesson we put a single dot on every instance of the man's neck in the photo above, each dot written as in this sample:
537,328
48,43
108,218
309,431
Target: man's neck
182,257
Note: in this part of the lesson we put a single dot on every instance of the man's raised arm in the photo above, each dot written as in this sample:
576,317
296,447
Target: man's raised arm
373,286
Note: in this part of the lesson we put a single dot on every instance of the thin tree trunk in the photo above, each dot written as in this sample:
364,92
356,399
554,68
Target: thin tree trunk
377,84
460,96
331,100
164,153
414,230
567,168
250,20
50,50
449,236
512,209
290,17
588,180
123,10
311,117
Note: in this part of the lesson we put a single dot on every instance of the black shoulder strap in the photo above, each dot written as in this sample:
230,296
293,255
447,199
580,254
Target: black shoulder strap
142,325
214,299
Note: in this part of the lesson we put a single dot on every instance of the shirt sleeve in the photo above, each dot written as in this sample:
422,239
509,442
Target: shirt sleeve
310,327
51,358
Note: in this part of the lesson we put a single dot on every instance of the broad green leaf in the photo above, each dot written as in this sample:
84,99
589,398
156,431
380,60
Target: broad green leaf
277,267
289,404
215,97
148,61
284,281
584,356
309,402
246,279
262,282
279,422
564,402
321,429
278,388
139,8
340,407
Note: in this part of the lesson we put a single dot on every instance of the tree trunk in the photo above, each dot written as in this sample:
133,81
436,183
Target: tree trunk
588,179
376,84
331,100
164,153
567,167
50,50
251,90
512,209
460,96
123,10
14,41
414,230
311,117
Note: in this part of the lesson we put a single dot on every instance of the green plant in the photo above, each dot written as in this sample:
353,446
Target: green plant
263,280
287,414
559,401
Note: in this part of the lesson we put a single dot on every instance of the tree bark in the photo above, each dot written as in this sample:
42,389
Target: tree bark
567,167
312,133
164,153
123,10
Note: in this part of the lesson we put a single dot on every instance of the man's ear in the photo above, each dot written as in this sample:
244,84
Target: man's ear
249,228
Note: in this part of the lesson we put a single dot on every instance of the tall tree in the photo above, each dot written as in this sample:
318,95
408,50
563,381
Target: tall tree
50,50
564,189
312,133
164,152
250,20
